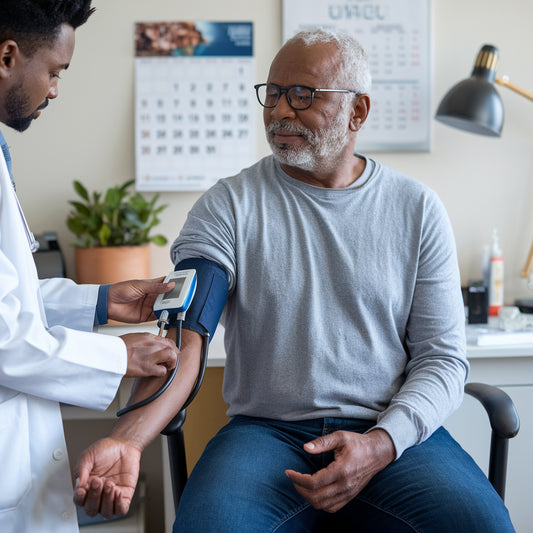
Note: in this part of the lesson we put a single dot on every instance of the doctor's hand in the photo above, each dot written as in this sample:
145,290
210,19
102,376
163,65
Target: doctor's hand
107,474
358,458
149,355
132,301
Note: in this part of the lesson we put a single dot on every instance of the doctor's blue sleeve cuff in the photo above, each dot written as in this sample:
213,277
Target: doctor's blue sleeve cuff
100,316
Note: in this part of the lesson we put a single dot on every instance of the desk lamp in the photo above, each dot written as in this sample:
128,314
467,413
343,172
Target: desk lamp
474,105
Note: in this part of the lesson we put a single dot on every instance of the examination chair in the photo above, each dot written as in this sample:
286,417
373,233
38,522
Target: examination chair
174,434
505,424
500,409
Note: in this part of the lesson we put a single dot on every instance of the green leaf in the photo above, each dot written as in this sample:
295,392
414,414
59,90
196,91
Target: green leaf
104,234
159,240
81,209
94,223
81,190
76,225
113,198
127,185
138,203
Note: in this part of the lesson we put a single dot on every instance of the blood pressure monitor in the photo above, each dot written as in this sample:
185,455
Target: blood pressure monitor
178,299
170,309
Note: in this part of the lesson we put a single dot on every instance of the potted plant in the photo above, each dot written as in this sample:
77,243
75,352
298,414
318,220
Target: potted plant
113,233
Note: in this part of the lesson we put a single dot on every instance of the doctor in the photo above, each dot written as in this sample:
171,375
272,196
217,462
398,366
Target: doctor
48,353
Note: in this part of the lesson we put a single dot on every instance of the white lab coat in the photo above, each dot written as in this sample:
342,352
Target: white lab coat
42,363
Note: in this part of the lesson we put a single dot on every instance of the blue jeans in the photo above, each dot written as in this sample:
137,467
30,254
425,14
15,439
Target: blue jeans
239,486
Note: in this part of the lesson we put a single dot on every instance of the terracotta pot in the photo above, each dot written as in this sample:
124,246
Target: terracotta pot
109,264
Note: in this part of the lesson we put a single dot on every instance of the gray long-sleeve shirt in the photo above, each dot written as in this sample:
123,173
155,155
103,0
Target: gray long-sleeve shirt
343,302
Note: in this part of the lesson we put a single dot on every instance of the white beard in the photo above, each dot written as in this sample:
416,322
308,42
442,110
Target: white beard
322,147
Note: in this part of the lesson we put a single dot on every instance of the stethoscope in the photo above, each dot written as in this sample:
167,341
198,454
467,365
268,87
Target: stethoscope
32,241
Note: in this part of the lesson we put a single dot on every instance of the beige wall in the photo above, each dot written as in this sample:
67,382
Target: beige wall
87,133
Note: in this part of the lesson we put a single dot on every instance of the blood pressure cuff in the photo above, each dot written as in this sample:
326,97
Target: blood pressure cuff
209,298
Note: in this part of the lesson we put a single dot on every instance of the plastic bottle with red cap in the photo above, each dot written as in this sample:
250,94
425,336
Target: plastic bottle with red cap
496,276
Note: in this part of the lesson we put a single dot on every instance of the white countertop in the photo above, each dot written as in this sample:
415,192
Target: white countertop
490,341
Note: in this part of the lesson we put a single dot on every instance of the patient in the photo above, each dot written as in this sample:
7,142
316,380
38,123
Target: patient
344,334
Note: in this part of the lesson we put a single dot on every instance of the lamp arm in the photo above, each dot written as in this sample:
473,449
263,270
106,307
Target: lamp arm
504,80
527,269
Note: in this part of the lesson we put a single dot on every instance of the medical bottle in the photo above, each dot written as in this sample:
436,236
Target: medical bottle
496,276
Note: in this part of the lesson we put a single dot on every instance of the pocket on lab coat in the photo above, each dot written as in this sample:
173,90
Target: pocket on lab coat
15,467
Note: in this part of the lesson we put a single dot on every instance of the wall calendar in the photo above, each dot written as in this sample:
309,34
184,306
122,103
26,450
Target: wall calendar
194,103
396,36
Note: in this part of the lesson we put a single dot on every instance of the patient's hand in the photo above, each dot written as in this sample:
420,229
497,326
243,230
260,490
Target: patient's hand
107,474
358,457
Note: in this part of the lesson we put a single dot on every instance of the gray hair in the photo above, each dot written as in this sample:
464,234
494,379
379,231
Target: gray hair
354,69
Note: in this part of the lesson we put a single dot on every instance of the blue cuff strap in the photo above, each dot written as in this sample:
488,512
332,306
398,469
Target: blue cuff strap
210,296
100,316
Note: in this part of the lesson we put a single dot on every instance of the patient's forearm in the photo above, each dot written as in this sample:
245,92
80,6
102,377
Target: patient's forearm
141,426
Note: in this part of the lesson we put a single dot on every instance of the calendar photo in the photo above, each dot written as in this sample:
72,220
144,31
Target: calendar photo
194,103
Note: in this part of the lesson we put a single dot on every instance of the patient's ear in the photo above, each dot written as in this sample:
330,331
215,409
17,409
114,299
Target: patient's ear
361,108
9,54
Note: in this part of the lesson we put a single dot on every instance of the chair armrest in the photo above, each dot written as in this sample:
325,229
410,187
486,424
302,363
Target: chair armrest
500,408
176,424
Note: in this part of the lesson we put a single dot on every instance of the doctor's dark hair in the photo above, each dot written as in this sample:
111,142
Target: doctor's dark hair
33,24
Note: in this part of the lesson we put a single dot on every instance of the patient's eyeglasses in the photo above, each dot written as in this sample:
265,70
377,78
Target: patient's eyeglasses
299,97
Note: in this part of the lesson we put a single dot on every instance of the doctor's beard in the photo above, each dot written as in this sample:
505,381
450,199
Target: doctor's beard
321,147
16,106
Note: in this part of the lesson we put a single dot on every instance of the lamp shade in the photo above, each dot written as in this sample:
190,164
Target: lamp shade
474,104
